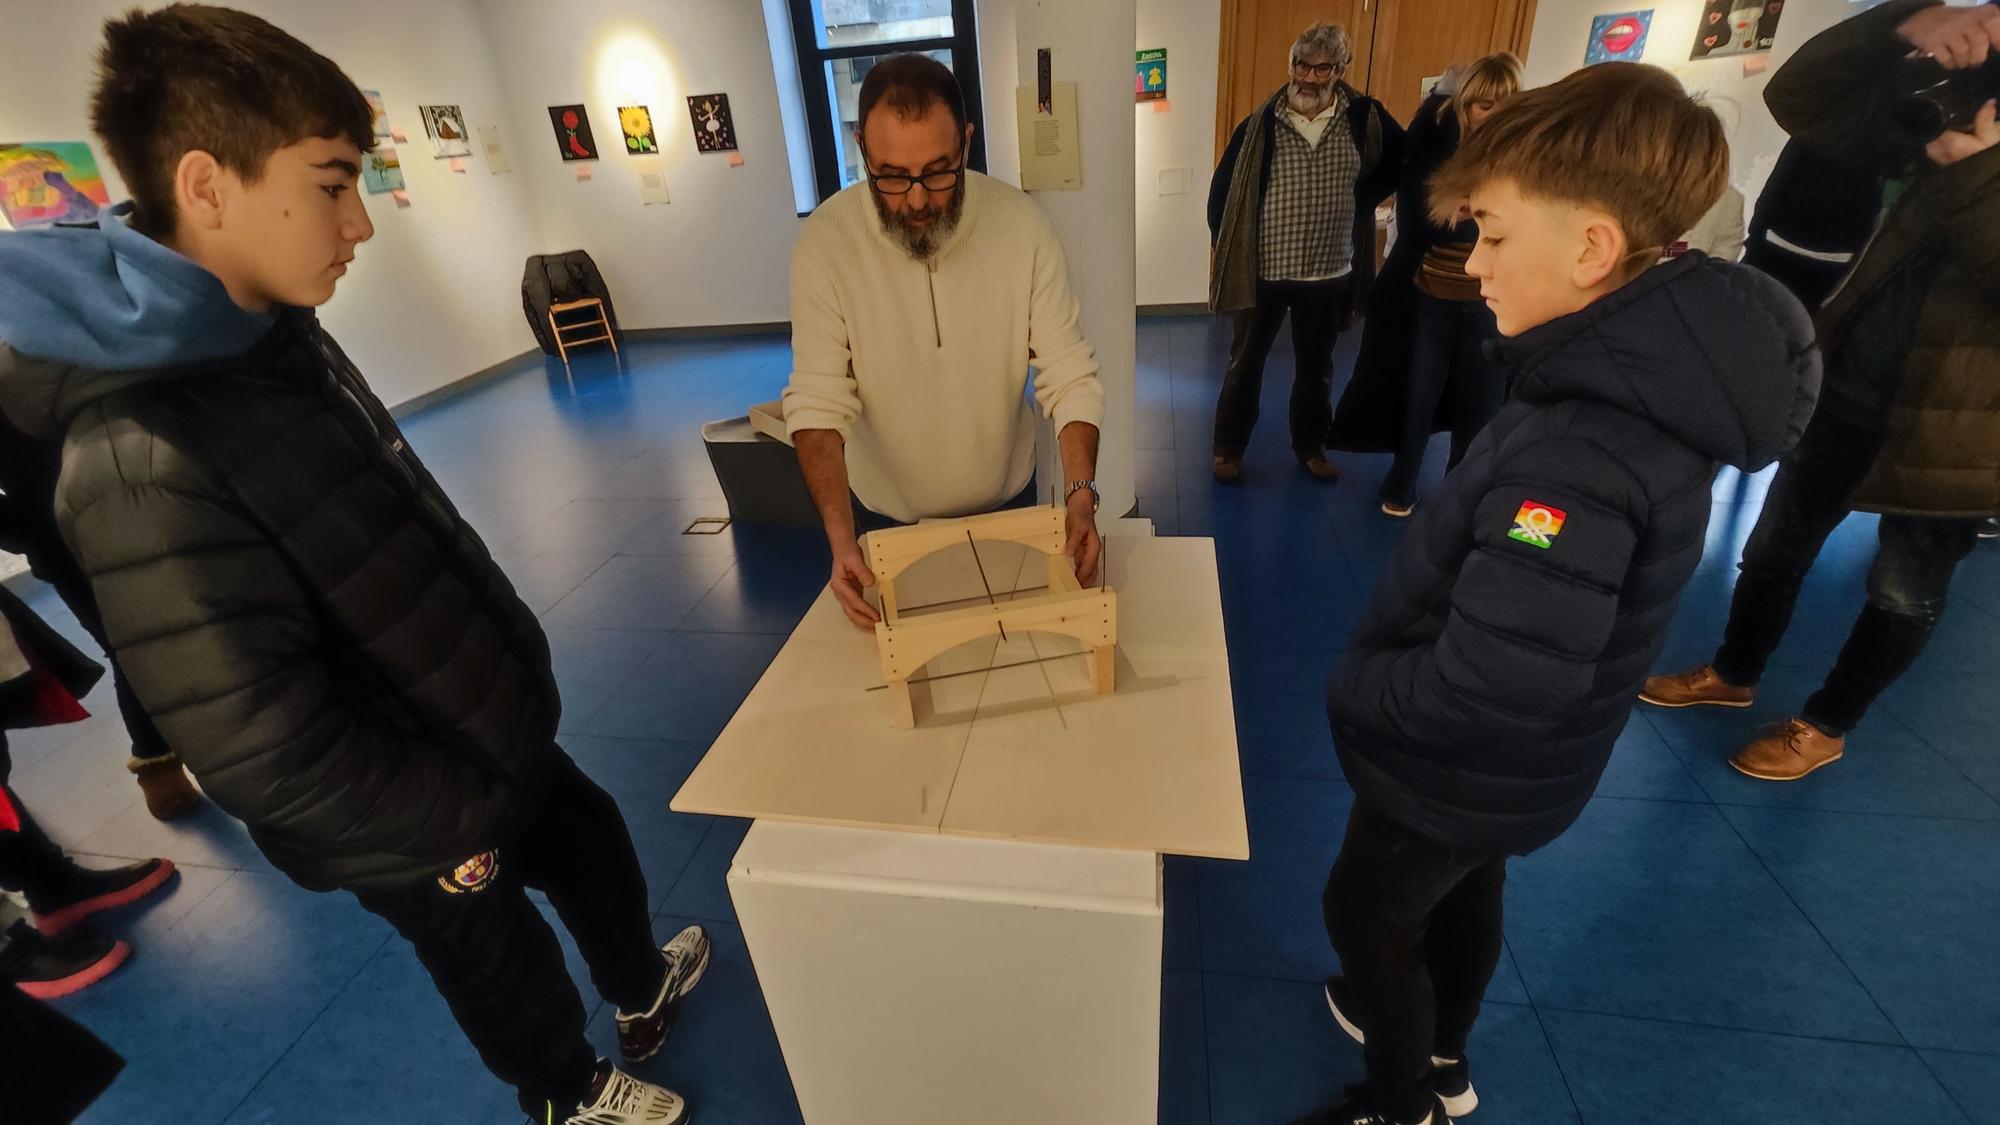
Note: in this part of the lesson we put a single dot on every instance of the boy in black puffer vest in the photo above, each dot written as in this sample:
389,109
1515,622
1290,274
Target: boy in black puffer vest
1479,699
298,606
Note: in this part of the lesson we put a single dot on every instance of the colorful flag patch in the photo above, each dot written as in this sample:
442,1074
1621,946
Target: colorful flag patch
1537,524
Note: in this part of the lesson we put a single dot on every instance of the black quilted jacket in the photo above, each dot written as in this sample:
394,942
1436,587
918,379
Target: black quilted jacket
318,634
1478,700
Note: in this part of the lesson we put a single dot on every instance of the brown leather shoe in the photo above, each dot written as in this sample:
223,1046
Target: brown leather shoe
1789,752
1697,688
169,792
1227,469
1322,468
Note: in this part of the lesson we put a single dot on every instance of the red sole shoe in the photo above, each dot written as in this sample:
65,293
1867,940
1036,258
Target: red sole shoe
81,979
66,918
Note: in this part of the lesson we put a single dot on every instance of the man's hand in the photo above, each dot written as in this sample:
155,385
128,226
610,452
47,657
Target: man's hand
1085,545
1957,38
850,576
1955,146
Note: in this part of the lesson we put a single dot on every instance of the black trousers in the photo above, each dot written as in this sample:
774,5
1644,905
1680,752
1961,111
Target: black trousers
497,963
1418,931
1448,349
1907,583
1315,308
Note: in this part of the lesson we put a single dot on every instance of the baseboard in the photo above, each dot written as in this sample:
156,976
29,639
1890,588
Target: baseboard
1197,309
761,328
460,385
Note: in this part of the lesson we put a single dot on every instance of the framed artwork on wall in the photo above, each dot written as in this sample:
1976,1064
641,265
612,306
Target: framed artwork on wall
714,127
50,182
636,122
445,125
1736,27
382,170
1618,38
380,111
572,126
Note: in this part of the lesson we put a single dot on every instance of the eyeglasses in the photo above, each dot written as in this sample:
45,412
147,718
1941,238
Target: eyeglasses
932,181
1317,70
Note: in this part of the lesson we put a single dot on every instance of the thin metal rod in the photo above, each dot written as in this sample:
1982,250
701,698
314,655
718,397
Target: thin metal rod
907,610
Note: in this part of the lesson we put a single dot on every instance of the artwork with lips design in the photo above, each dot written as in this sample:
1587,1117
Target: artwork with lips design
1618,38
1736,27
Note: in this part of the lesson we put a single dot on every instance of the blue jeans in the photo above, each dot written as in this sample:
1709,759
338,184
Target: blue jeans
1448,348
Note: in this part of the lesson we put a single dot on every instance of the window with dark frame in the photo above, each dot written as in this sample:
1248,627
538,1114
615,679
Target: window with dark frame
840,41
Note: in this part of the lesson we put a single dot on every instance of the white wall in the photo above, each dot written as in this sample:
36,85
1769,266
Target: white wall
436,295
720,252
1563,26
1173,229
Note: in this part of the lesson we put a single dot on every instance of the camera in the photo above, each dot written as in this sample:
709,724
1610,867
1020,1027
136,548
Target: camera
1941,100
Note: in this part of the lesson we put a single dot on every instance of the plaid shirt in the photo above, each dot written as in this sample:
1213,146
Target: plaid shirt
1305,231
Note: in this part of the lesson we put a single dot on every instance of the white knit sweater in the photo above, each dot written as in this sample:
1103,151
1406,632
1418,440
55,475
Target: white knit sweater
923,369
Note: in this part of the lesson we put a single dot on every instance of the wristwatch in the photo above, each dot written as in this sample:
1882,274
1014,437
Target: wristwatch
1077,486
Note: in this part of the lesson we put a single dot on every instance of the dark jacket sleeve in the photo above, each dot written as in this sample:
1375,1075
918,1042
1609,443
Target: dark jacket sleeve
1380,181
1836,92
217,638
1527,626
1218,185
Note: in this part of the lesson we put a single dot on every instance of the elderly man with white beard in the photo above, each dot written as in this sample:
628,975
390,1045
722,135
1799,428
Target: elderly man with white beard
1292,213
920,299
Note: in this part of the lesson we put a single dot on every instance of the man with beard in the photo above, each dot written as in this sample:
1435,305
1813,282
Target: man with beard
920,298
1292,213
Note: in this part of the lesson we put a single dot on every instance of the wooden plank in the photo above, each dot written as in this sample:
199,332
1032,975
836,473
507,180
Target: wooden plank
894,550
1091,616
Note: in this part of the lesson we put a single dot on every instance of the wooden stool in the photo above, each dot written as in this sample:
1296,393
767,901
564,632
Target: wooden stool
597,323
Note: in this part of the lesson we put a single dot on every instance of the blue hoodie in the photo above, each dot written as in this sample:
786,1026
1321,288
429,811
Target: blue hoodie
108,298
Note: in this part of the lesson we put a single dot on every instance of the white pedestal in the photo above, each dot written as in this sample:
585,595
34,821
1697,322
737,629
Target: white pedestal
921,979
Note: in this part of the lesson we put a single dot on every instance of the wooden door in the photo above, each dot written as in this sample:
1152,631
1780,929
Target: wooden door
1257,38
1418,39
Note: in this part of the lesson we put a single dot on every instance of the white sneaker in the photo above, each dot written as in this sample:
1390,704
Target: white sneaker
627,1101
640,1034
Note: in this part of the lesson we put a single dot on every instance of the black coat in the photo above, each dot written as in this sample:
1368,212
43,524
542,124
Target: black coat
318,634
1369,418
1479,699
1822,211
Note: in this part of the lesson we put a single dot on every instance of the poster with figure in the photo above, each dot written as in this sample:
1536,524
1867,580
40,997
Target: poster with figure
445,124
382,170
380,111
1618,38
48,183
572,126
714,128
1736,27
636,121
1150,84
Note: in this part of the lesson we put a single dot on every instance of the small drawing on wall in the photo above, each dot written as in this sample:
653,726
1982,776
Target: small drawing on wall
1736,27
636,122
380,112
572,126
714,128
382,170
445,124
47,183
1618,38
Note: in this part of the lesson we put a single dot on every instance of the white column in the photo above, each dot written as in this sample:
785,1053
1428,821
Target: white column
1093,45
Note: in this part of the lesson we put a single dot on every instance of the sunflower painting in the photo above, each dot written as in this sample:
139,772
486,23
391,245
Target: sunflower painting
637,122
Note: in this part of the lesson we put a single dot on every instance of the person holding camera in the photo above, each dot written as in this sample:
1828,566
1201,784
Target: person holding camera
1908,423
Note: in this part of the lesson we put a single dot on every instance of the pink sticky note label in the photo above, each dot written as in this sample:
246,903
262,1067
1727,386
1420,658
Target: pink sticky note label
736,160
583,171
1755,64
1163,105
399,136
458,164
401,197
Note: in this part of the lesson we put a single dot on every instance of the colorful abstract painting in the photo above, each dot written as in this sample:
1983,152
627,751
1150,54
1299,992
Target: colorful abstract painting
446,126
380,111
637,123
714,127
1619,38
382,170
48,183
572,126
1736,27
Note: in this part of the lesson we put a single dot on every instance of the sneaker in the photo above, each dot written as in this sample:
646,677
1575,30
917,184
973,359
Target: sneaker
1989,529
1789,751
45,968
92,892
624,1100
1451,1079
1356,1108
168,790
641,1035
1227,469
1322,469
1398,509
1698,687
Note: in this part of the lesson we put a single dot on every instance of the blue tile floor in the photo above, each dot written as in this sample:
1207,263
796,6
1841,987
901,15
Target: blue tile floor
1701,947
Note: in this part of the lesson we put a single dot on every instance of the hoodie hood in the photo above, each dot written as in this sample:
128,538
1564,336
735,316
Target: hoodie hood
87,310
1717,354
